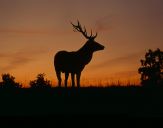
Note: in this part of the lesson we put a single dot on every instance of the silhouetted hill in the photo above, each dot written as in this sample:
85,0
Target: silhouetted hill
111,101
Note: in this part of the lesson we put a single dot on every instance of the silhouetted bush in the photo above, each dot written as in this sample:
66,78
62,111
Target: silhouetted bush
8,81
151,69
40,82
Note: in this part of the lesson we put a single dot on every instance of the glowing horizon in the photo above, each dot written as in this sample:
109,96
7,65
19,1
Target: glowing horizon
31,32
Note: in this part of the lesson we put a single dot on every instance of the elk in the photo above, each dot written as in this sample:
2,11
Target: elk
74,62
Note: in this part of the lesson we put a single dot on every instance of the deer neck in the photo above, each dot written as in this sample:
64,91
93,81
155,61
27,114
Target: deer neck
85,55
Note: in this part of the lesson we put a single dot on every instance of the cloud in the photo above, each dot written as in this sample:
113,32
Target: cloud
30,31
19,58
15,62
127,59
125,74
104,23
2,55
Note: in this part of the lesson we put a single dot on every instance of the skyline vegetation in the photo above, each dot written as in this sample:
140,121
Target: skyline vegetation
151,72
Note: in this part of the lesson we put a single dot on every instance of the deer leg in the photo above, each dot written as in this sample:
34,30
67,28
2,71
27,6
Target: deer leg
66,78
58,73
72,79
78,79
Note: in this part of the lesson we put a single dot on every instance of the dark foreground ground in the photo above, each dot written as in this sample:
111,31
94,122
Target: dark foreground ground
112,102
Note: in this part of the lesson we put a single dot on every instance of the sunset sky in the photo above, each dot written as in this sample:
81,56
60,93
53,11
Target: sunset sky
32,31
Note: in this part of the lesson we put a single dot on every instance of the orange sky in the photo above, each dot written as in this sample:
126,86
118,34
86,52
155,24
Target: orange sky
32,31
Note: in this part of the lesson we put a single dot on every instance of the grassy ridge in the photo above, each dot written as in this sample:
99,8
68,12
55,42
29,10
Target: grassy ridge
111,101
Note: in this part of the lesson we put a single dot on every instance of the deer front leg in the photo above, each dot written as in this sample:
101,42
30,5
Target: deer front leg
72,79
66,78
78,79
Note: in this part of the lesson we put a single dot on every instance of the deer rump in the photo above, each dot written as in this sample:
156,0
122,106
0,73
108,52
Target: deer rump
69,62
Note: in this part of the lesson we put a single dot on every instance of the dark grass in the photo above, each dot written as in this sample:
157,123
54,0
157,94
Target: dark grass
92,101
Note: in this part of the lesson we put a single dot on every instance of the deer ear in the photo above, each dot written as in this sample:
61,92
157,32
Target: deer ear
92,39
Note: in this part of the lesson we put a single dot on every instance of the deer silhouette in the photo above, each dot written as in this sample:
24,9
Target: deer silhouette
75,61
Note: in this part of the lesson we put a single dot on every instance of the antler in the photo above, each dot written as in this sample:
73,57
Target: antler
84,32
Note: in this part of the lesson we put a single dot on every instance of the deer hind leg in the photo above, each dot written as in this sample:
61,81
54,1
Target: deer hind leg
78,79
66,78
72,79
58,73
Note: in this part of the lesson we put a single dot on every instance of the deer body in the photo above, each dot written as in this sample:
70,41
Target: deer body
74,62
71,62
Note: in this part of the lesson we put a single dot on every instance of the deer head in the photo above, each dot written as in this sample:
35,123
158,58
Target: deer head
91,44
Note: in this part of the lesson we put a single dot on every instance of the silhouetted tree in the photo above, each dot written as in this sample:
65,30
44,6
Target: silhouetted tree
8,81
40,82
151,69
